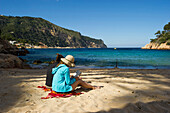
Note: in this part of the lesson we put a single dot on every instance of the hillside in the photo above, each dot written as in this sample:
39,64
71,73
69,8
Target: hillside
162,41
37,31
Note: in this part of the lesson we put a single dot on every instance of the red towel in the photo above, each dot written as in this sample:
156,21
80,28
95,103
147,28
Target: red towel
57,95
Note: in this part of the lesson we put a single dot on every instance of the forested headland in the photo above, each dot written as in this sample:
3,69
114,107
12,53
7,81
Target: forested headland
38,31
162,40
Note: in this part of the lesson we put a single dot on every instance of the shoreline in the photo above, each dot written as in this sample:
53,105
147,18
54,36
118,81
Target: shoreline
46,65
1,69
72,70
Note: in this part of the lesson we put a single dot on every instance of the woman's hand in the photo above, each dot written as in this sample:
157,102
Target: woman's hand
77,78
71,76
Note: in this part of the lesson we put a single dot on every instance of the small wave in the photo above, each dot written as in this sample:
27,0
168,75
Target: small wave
39,66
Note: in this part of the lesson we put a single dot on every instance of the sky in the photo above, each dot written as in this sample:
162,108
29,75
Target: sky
119,23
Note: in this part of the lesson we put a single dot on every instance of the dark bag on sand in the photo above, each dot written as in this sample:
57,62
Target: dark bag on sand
49,77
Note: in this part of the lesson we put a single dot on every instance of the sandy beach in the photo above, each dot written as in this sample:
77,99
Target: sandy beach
124,91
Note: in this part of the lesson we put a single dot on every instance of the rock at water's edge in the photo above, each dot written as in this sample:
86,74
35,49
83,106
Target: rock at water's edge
12,61
156,46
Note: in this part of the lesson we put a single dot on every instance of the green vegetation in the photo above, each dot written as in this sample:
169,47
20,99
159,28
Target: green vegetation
164,36
34,30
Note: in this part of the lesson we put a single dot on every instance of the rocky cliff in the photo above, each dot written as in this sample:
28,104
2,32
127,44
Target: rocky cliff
35,30
156,46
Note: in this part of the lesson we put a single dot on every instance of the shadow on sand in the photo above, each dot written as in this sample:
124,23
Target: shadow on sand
140,107
162,106
12,83
19,78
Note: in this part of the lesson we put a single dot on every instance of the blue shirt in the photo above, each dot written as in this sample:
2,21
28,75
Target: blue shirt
61,80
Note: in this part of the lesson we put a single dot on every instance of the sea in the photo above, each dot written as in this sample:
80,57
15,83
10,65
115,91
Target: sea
124,58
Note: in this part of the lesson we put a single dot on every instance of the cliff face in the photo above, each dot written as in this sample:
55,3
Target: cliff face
34,30
156,46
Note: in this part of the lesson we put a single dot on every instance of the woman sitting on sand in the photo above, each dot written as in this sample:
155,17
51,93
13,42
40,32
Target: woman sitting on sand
62,82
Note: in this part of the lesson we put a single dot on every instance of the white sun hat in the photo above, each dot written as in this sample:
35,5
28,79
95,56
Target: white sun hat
69,60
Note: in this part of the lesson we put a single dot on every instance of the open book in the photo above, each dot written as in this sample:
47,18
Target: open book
77,73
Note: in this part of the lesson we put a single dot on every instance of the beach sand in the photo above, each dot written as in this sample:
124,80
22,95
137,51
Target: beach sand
124,91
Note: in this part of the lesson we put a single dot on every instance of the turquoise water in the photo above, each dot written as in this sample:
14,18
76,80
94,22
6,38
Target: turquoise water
133,58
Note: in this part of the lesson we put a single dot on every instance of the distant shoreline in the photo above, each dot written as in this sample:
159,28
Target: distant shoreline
55,47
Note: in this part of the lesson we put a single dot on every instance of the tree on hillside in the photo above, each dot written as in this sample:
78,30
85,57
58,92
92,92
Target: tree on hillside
158,32
163,36
167,27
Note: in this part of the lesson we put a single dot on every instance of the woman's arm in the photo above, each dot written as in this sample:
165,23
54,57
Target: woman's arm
67,77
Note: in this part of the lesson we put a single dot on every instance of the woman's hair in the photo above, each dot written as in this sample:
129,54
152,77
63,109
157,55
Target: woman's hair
58,58
61,62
